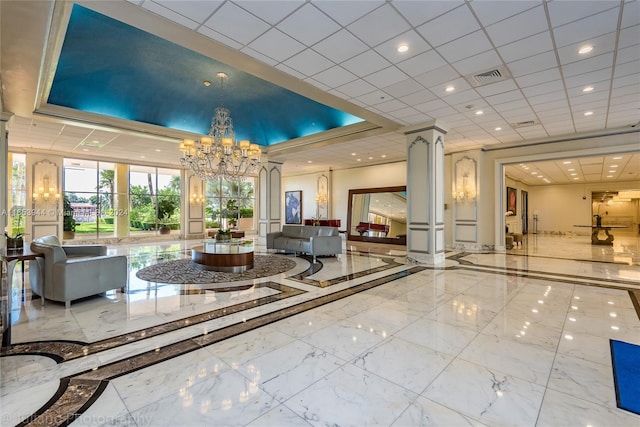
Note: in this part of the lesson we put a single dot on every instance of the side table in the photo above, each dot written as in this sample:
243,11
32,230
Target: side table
10,258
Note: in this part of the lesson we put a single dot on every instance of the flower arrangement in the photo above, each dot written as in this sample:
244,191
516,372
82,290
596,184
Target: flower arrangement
508,213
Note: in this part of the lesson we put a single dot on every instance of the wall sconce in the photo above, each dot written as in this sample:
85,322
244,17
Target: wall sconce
45,191
196,199
465,192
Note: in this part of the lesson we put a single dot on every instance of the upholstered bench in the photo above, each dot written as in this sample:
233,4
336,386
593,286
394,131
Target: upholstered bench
517,238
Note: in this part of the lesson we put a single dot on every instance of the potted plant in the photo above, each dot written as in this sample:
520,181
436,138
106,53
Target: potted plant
164,225
16,241
223,235
68,223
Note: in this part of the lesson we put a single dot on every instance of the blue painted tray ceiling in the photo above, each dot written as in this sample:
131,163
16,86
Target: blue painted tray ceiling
111,68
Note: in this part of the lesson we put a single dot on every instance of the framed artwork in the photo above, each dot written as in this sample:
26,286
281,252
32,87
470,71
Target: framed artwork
293,207
512,200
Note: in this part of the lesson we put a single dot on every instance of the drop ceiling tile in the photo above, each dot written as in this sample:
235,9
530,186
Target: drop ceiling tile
629,36
416,44
542,89
450,26
418,97
592,100
592,64
221,38
405,112
547,97
540,77
513,105
171,15
318,84
237,24
291,71
466,46
340,46
378,26
373,98
366,63
532,64
497,88
587,28
308,25
334,77
601,45
197,11
628,68
308,62
598,79
356,88
436,77
347,11
504,97
277,45
490,12
436,104
422,63
259,56
386,77
529,46
390,106
416,13
562,13
272,11
622,81
403,88
629,54
525,24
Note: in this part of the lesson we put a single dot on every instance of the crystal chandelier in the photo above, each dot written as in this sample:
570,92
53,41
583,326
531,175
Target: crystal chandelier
219,155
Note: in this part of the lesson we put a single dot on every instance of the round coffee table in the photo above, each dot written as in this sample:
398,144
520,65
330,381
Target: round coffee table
234,256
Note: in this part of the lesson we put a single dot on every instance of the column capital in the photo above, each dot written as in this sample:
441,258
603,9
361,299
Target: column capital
433,125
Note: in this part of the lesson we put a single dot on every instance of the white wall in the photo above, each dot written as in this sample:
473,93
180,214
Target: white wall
560,207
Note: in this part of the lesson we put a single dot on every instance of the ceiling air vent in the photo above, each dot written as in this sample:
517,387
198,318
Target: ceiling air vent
523,124
486,77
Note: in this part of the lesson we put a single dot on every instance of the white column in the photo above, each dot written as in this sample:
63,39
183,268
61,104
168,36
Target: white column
425,194
269,197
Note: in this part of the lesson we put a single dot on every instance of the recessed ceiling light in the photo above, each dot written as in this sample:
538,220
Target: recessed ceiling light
566,162
574,174
449,89
498,128
309,161
588,89
358,160
613,166
585,49
207,83
571,170
617,158
534,173
383,156
479,112
613,171
588,113
142,157
85,149
403,47
540,176
353,154
575,179
609,176
158,150
370,158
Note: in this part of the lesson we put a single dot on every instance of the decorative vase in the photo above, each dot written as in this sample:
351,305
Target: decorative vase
15,243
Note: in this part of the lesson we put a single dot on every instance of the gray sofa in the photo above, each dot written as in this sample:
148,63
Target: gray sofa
70,272
307,239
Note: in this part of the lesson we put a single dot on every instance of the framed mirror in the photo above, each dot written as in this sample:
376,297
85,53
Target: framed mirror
378,215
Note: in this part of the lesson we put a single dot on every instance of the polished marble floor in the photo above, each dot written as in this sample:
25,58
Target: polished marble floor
489,339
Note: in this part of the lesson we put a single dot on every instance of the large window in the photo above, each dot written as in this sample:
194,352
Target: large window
230,204
17,196
154,199
99,203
